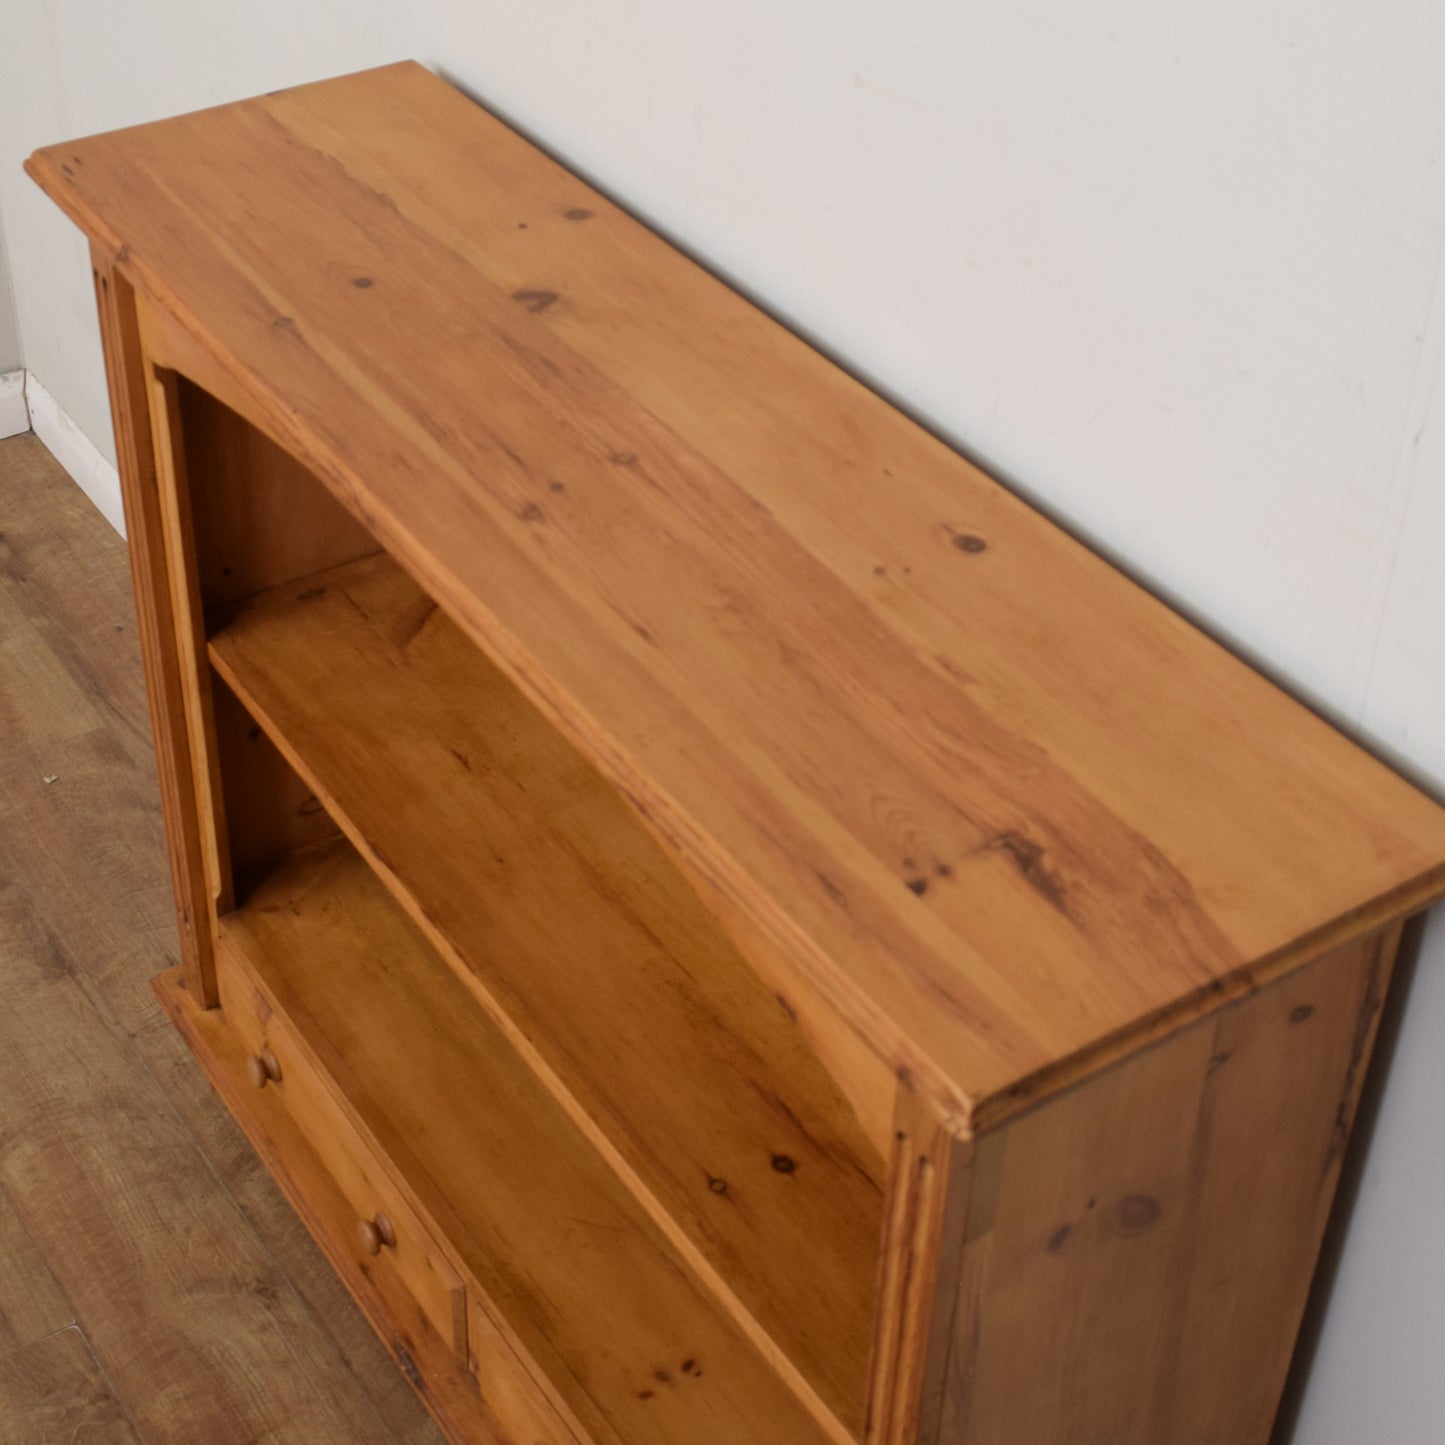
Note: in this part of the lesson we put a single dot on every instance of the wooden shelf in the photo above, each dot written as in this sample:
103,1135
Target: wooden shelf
593,1291
568,923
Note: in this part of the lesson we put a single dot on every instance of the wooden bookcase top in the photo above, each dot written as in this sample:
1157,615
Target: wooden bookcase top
1007,811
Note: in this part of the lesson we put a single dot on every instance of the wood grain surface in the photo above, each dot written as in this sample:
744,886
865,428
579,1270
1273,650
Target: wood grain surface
1137,1256
55,1390
1007,811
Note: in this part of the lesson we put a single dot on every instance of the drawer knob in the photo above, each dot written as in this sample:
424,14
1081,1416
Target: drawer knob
263,1068
374,1233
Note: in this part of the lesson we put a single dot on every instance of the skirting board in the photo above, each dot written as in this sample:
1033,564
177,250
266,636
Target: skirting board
14,418
75,451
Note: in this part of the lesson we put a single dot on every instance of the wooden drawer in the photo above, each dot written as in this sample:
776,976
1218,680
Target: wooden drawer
519,1404
383,1236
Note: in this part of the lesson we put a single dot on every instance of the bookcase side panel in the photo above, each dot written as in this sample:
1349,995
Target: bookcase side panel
1143,1264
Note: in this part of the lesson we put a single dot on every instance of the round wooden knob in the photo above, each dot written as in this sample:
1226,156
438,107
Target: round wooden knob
374,1233
263,1068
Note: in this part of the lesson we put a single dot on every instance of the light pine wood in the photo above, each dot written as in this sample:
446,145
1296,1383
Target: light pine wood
270,811
590,1287
511,1389
571,925
930,1181
189,645
779,870
1137,1258
258,517
926,764
409,1266
187,830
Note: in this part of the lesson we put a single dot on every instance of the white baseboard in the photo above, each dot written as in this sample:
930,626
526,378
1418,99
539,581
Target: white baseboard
14,418
75,451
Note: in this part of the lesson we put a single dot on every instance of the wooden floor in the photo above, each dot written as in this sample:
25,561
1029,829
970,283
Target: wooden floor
154,1285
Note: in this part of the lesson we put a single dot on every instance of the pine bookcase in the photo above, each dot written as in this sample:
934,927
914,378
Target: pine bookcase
729,927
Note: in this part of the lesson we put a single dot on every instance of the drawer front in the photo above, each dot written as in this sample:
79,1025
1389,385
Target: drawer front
517,1402
384,1237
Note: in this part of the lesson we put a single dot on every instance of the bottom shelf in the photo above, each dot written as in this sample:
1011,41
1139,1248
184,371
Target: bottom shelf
558,1262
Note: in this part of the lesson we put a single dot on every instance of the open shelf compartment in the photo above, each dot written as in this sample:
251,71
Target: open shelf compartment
565,921
550,1243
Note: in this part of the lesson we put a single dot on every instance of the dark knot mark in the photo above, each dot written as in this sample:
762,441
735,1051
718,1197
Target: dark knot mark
1136,1214
787,1008
967,542
578,213
535,301
783,1164
362,282
1300,1014
1029,857
718,1186
689,1367
285,323
530,513
1060,1238
556,486
918,886
622,459
1219,1060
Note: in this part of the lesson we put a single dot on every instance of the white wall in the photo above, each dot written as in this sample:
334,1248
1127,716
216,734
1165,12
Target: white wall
9,325
1173,269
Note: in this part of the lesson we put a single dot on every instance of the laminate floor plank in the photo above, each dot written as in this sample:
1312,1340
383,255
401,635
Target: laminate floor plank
32,1304
54,1390
58,569
134,1204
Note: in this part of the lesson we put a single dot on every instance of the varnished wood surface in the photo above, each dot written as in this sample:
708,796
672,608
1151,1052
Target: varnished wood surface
155,621
1137,1252
567,919
154,1284
1000,805
630,1340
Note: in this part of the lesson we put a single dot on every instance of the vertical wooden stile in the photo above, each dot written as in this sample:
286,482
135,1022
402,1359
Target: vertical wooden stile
928,1192
156,621
188,619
